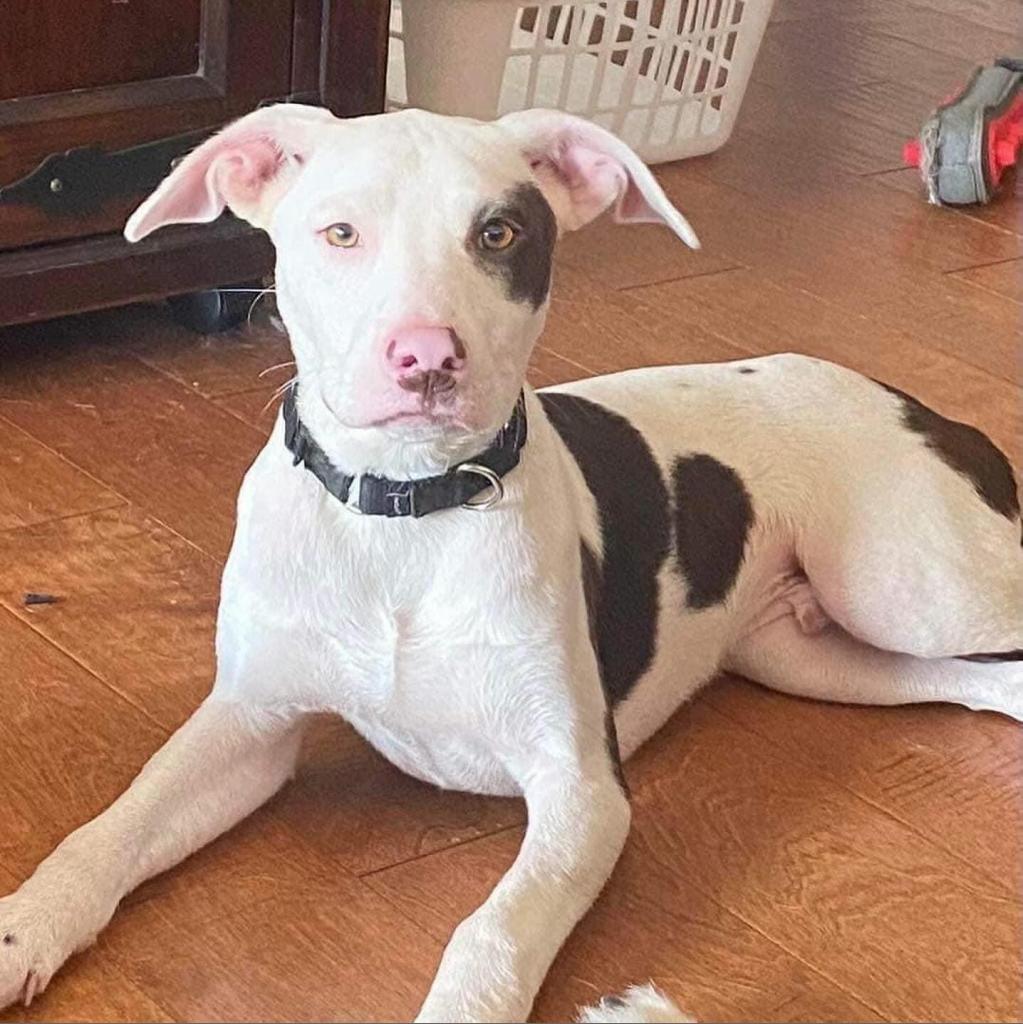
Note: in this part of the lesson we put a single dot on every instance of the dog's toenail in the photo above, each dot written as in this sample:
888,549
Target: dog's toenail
8,939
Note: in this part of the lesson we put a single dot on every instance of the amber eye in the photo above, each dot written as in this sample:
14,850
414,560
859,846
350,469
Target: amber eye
498,234
342,235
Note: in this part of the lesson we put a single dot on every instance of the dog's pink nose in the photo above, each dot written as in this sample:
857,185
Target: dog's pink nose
419,350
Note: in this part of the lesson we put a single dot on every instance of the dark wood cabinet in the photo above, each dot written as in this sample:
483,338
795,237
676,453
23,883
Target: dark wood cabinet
97,98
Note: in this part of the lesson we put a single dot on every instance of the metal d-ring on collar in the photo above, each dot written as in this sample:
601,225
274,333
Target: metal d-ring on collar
367,494
488,475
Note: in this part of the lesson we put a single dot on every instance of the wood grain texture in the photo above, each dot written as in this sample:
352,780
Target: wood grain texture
790,860
37,485
1005,278
948,773
136,604
112,416
310,952
68,745
831,879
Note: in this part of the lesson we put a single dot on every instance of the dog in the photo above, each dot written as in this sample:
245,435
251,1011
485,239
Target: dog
507,591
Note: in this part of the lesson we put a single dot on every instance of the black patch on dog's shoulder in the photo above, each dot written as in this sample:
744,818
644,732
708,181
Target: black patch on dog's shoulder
713,516
525,266
8,939
632,498
966,450
747,369
591,572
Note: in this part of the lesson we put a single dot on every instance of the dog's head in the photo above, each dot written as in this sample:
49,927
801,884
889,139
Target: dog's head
413,255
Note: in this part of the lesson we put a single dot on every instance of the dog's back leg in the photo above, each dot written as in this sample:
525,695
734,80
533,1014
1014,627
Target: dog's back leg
832,665
915,547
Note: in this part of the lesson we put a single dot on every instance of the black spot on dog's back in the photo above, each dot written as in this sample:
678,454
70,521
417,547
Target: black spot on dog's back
966,450
525,266
633,502
713,517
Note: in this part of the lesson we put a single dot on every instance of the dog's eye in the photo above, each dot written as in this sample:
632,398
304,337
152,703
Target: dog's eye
342,235
498,234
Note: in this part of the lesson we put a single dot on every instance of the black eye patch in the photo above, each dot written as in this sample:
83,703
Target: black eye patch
524,266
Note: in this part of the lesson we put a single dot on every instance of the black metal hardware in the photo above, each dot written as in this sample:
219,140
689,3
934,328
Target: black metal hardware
81,181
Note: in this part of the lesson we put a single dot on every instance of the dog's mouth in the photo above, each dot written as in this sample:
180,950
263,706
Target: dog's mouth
411,416
419,418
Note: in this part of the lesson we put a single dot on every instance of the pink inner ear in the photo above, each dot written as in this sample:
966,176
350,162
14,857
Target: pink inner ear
593,179
229,170
245,168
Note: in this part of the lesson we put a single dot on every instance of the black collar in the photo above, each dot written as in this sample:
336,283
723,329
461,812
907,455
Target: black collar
378,496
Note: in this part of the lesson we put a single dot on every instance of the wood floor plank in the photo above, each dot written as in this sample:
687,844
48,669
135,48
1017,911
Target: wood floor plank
149,438
311,952
833,880
1004,15
68,745
837,261
897,106
37,485
752,194
248,356
136,604
258,407
842,53
1004,278
603,332
995,33
713,964
352,806
952,774
90,989
645,254
831,132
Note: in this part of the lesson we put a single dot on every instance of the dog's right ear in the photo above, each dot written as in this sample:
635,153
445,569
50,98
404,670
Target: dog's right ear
248,166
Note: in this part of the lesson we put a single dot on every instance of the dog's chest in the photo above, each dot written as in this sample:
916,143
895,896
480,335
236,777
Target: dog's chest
418,685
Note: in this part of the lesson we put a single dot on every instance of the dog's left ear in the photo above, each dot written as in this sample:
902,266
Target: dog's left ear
583,169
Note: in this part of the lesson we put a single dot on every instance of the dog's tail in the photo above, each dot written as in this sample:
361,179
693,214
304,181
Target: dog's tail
637,1005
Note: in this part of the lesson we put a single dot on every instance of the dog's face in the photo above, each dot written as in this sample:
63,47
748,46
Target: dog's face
413,250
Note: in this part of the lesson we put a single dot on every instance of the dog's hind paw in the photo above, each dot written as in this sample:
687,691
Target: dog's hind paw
637,1005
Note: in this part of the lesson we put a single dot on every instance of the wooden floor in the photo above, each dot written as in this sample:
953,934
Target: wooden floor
789,860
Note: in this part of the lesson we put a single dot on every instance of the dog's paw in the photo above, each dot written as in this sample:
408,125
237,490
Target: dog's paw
29,951
637,1005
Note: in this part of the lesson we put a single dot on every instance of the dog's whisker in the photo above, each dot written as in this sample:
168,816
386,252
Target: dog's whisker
279,366
278,392
255,302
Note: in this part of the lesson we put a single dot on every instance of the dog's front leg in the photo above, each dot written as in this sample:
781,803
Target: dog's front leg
498,957
225,761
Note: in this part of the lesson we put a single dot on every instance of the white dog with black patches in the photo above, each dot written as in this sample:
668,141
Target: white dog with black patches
505,591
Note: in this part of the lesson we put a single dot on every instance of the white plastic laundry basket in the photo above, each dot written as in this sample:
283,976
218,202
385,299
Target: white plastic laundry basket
667,76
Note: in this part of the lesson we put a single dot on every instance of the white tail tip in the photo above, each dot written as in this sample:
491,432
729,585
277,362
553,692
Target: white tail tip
637,1005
